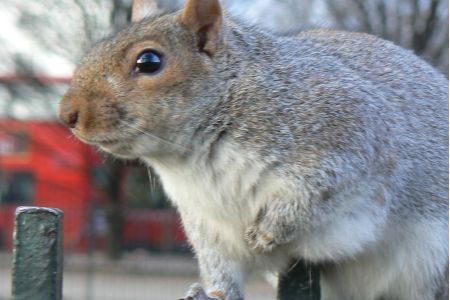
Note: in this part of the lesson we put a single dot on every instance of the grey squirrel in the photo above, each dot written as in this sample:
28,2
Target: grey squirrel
328,146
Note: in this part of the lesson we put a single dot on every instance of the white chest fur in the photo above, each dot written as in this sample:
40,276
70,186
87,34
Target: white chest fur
225,193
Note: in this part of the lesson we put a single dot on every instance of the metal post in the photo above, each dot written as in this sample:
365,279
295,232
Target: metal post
37,254
300,282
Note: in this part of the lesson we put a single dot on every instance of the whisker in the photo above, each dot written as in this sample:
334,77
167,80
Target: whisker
152,180
154,136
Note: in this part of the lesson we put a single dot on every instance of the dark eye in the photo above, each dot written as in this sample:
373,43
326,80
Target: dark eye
148,62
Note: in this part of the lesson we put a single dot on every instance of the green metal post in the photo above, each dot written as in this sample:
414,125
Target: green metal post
37,254
300,282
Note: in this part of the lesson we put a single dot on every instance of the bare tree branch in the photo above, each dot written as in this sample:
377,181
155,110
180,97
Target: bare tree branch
364,12
422,37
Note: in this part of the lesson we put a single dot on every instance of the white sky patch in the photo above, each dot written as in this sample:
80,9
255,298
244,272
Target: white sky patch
44,38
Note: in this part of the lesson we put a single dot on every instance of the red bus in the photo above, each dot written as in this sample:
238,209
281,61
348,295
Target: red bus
42,164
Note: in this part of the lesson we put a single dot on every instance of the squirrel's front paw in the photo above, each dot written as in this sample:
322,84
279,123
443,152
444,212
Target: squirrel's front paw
259,241
196,292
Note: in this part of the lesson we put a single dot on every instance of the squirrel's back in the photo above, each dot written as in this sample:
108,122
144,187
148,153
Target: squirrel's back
323,91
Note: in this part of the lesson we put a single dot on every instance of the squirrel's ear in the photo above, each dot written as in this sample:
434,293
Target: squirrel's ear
144,8
204,18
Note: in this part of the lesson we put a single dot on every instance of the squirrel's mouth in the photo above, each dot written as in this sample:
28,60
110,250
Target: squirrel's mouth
118,147
104,142
108,142
115,147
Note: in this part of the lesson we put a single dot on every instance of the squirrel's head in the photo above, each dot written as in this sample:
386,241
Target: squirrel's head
140,92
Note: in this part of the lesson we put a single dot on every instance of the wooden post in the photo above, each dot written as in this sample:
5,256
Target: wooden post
37,254
300,282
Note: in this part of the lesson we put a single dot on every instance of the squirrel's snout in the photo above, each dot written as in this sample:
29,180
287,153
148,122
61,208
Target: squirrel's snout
71,119
68,114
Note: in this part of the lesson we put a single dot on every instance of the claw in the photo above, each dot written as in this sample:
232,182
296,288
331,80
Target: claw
196,292
259,241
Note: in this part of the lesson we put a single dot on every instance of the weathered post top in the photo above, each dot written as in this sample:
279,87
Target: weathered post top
37,254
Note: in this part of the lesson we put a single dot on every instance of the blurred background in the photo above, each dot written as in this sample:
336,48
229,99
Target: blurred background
122,239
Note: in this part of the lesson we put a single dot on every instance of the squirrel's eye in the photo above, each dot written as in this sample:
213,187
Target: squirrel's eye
148,62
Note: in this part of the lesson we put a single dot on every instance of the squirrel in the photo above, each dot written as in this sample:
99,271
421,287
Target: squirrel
327,146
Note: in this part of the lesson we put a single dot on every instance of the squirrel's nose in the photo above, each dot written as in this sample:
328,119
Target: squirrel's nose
68,114
71,119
